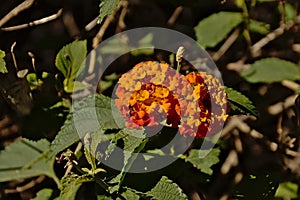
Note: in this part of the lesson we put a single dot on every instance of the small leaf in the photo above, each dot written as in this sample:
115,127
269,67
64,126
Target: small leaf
102,197
213,29
165,189
270,70
289,11
204,164
134,142
287,190
259,27
70,186
89,115
104,85
107,7
44,194
3,69
128,194
239,103
29,160
70,60
116,46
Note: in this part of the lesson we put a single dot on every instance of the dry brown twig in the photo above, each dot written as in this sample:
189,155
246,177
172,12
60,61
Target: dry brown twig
108,20
255,49
34,23
121,22
175,15
70,24
23,188
14,12
280,106
91,25
227,44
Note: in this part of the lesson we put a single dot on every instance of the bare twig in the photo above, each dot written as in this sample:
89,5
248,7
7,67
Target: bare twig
296,47
108,20
70,24
29,185
91,25
175,15
13,55
290,84
279,107
34,23
231,161
14,12
32,61
7,128
98,38
121,21
273,35
239,65
227,44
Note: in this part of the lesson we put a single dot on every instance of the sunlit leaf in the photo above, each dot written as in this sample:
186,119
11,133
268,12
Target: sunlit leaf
43,194
259,27
287,190
102,197
134,142
215,28
270,70
128,194
204,164
70,185
239,103
3,69
69,61
165,189
25,159
290,11
89,115
107,7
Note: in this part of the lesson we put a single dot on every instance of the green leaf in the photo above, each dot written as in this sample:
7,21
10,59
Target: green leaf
3,69
70,60
145,46
287,190
104,85
165,189
43,194
70,186
259,27
128,194
204,164
134,142
89,115
239,103
107,7
270,70
289,11
215,28
102,197
25,159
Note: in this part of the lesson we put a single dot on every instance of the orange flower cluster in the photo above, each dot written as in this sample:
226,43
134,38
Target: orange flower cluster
153,92
212,105
145,95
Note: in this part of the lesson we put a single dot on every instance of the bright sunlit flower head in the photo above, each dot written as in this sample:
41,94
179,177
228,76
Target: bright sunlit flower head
152,93
212,105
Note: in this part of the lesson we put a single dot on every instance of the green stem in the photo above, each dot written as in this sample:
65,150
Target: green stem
178,67
132,159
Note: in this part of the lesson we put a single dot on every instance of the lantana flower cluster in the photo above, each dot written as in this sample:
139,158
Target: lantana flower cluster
152,93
